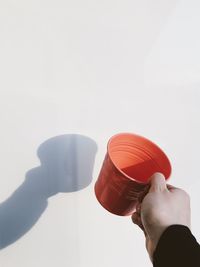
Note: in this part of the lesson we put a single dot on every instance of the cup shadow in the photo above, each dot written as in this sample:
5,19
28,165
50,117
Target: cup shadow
67,163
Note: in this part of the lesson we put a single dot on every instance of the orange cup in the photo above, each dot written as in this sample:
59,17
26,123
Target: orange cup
129,163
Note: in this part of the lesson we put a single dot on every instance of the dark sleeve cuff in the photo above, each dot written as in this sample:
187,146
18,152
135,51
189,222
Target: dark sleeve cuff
177,247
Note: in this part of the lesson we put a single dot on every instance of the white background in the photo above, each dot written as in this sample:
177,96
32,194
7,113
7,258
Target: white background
93,68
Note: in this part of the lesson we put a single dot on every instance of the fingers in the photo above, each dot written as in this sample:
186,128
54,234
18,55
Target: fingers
158,183
171,187
136,219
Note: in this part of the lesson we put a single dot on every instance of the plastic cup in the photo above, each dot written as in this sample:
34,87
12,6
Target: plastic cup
129,163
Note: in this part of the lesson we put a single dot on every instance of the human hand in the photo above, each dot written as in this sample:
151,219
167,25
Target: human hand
162,206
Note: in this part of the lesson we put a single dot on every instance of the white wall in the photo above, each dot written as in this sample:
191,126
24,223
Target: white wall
91,68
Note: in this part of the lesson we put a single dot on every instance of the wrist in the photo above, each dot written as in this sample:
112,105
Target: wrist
154,237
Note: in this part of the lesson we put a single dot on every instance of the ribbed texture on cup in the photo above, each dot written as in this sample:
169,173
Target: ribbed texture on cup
137,157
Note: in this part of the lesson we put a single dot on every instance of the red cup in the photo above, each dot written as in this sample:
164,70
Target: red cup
129,163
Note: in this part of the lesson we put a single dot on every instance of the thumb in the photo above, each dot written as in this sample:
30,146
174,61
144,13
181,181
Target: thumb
158,183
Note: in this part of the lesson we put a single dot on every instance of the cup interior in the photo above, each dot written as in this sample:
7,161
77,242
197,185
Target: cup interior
137,157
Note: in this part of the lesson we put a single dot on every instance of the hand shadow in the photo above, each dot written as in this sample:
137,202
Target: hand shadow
66,166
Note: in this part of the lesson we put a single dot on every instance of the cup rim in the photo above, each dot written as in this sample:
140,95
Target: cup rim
145,139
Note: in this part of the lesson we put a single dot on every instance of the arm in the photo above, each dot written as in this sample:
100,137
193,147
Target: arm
164,217
177,247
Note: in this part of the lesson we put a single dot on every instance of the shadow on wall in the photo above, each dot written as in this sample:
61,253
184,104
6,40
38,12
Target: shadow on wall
66,166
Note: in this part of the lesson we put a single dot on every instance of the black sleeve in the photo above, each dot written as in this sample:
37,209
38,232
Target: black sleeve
177,247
